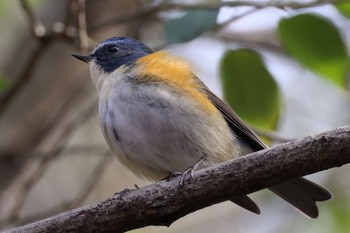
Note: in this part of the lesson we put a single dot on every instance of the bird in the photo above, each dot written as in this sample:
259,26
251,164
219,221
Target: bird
159,118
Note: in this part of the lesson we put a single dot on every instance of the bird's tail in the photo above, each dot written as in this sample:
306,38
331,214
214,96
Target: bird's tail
302,194
299,192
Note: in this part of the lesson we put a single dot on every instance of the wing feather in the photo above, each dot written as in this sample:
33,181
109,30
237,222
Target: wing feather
299,192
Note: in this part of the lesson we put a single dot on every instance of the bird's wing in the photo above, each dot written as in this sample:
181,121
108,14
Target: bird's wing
235,123
299,192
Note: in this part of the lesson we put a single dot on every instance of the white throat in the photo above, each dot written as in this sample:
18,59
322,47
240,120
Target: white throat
97,75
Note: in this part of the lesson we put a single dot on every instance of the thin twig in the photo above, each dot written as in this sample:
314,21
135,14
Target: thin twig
93,179
70,13
87,150
236,17
82,31
39,32
44,38
152,10
57,149
69,21
37,28
240,41
24,77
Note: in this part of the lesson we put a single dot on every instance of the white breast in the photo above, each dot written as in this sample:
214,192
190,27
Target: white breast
155,131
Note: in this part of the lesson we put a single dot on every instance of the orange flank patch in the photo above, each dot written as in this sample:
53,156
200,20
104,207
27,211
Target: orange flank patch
161,67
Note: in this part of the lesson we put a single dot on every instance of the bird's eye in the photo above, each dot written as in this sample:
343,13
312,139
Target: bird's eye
112,49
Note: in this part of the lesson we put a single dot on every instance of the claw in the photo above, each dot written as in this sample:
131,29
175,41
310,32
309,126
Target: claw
182,179
190,170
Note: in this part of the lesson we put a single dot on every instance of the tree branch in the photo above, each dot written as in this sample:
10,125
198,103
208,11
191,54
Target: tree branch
153,9
38,29
93,179
82,31
165,202
44,162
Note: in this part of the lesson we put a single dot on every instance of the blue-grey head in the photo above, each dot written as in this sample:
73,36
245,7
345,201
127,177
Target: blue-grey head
115,52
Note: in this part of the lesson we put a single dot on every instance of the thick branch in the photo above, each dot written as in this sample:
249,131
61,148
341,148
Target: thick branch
164,202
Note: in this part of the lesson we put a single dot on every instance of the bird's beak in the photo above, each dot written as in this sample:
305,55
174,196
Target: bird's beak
84,58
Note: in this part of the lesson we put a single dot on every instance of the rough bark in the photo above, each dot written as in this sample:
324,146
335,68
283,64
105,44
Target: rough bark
166,201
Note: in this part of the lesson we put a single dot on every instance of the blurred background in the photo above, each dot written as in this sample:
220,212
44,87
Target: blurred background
282,65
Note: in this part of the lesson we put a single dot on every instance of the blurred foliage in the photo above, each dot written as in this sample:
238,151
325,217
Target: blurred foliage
250,89
3,7
6,5
316,43
3,83
335,217
344,8
189,26
36,2
248,86
340,214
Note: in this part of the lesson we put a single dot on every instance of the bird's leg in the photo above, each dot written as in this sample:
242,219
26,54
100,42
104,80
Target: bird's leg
190,170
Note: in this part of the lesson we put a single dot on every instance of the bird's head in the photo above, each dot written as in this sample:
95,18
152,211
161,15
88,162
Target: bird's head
115,52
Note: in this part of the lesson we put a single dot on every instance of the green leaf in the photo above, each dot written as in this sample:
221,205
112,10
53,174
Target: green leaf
250,89
316,43
191,25
343,8
338,221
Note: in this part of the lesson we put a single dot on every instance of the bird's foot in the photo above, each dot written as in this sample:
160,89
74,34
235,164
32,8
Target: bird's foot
190,171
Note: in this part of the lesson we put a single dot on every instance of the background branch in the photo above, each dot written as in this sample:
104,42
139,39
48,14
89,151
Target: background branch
36,26
25,77
82,33
45,161
95,176
164,202
154,9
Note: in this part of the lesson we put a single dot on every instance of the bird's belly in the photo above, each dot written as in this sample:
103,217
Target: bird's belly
153,138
